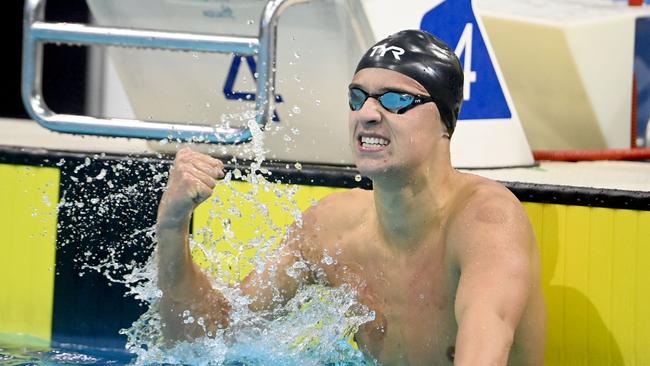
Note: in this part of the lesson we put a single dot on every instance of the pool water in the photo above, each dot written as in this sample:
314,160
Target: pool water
22,350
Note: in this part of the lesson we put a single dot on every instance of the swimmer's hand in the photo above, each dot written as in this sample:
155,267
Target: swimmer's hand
191,181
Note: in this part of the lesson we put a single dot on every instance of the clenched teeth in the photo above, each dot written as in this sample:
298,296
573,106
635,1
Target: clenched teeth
373,141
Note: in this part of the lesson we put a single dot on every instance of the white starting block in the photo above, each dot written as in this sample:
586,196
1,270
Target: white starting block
569,67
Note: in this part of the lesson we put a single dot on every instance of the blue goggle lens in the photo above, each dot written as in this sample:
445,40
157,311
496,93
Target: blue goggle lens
357,97
392,101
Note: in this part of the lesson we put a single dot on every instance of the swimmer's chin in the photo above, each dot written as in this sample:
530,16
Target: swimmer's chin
374,169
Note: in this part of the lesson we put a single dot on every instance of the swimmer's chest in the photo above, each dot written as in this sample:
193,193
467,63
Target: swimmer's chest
413,299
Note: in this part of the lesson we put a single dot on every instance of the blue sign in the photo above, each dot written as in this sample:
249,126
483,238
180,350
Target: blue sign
454,22
244,96
642,74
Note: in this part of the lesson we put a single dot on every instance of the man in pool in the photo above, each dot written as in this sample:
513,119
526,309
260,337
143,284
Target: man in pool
447,260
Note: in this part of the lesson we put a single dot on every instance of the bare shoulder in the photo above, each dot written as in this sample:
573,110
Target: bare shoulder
485,201
487,211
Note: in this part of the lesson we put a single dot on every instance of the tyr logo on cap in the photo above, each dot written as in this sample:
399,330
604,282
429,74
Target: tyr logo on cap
383,49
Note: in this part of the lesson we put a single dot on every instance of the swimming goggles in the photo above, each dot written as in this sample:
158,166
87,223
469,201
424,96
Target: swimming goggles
392,101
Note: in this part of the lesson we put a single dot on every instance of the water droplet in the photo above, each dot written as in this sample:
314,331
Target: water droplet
207,104
317,102
101,175
357,177
250,22
296,78
296,109
327,260
298,166
296,54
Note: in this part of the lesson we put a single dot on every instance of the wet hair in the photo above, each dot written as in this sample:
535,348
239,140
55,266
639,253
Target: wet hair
426,59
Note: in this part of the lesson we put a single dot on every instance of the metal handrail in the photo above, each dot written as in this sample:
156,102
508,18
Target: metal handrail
36,32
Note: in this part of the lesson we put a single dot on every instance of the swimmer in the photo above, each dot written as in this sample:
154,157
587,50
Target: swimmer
448,260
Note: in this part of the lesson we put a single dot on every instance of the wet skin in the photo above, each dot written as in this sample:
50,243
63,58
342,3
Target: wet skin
447,260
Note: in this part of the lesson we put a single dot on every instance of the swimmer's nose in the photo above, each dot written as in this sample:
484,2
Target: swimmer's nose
370,112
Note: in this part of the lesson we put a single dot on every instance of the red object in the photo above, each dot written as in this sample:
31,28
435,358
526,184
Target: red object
581,155
635,2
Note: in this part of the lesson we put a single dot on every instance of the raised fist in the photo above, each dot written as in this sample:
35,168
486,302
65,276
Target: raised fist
192,179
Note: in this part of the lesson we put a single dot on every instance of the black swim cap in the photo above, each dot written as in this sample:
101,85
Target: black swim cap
425,58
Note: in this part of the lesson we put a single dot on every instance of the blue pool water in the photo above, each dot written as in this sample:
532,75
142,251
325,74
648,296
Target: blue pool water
22,351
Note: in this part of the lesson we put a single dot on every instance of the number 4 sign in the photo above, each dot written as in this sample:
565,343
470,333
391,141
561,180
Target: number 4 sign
455,23
464,51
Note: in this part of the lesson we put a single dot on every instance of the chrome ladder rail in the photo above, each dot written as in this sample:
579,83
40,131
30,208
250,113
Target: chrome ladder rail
36,32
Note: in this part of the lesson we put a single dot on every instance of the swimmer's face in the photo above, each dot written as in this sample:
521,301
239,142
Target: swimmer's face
384,142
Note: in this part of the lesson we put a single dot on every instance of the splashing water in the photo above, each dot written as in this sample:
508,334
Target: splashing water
313,328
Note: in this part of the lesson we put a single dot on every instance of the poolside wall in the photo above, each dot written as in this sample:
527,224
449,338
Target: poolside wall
595,247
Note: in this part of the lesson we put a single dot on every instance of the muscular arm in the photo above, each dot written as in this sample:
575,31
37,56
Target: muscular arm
495,251
184,286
